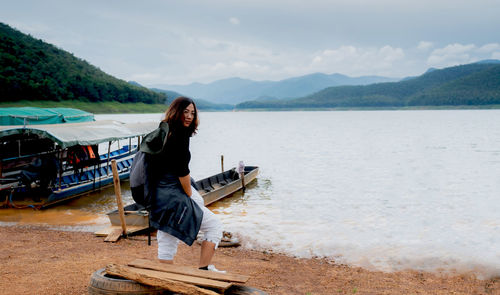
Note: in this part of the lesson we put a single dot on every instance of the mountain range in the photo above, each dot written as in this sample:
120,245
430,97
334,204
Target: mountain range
34,70
236,90
470,84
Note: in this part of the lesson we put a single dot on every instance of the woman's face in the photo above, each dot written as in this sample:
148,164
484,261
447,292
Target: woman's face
188,115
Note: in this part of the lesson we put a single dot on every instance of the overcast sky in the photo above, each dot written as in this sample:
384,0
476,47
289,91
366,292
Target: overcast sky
158,42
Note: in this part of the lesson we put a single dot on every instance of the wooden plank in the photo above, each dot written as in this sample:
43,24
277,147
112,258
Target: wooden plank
130,230
155,278
201,282
118,193
114,235
186,270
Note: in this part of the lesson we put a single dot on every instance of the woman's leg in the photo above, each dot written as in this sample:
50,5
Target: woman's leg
167,247
207,252
211,227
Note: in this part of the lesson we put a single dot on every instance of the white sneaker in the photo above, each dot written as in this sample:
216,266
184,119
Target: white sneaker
211,267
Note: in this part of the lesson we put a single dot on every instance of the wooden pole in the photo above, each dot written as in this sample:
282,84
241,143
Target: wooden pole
241,171
242,176
60,156
118,193
222,162
107,162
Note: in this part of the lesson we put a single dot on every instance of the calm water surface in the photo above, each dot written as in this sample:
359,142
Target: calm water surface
384,190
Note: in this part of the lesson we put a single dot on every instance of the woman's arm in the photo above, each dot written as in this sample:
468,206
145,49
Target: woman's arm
186,184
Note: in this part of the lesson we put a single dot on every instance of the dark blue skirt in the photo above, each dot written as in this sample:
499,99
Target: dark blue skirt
173,211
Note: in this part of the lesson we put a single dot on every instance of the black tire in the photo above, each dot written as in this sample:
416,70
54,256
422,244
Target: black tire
103,284
244,290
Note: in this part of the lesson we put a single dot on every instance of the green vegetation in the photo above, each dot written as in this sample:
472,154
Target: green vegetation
33,70
467,85
107,107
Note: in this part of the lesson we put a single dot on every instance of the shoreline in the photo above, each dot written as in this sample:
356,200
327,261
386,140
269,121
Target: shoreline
106,108
39,260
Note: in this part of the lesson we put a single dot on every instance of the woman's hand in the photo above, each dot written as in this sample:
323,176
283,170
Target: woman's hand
186,184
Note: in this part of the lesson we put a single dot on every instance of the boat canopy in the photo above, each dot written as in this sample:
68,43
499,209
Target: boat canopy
87,133
35,116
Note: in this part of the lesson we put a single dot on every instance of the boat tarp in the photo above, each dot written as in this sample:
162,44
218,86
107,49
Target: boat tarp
87,133
36,116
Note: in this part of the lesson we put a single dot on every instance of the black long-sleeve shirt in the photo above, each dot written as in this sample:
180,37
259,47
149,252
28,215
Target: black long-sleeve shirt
175,157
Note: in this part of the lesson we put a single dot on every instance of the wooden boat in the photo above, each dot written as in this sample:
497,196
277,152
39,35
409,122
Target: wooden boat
48,160
212,189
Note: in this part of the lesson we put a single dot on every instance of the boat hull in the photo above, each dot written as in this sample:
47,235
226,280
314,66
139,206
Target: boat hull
221,191
135,215
212,189
74,184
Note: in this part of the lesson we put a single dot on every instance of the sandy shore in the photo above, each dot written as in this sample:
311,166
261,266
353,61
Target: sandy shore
36,260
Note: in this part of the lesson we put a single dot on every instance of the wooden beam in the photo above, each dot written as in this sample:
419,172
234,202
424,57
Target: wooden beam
118,193
186,270
130,230
114,235
152,278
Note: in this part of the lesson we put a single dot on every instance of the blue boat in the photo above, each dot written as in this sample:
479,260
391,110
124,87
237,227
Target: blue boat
49,156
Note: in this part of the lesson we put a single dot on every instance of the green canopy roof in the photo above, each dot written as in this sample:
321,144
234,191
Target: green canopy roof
35,116
85,133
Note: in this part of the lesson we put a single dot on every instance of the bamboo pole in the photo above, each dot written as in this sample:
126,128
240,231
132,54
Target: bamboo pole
118,193
222,162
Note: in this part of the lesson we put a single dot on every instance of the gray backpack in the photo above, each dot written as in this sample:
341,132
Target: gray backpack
138,185
153,143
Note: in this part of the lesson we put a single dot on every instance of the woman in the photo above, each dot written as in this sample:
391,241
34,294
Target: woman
178,210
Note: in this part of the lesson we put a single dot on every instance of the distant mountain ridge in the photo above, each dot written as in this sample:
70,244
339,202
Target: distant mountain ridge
236,90
200,103
471,84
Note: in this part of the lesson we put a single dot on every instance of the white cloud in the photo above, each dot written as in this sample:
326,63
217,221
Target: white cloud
30,27
424,45
455,54
452,54
234,21
351,60
488,48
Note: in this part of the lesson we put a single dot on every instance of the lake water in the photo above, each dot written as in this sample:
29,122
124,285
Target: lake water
385,190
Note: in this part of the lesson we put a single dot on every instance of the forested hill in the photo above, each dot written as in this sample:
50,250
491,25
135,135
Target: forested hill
471,84
31,69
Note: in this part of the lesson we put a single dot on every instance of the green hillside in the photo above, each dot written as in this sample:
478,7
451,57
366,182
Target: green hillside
33,70
472,84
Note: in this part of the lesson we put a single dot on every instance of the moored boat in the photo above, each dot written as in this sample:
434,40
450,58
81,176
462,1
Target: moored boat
48,156
212,189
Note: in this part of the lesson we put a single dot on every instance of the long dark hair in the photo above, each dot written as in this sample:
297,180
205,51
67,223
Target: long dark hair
173,116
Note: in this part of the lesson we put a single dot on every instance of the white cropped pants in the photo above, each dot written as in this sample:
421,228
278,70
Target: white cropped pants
211,227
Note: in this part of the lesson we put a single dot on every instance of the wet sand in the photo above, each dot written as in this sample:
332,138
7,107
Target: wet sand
37,260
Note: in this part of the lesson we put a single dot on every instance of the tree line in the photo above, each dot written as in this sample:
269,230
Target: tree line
32,69
472,84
